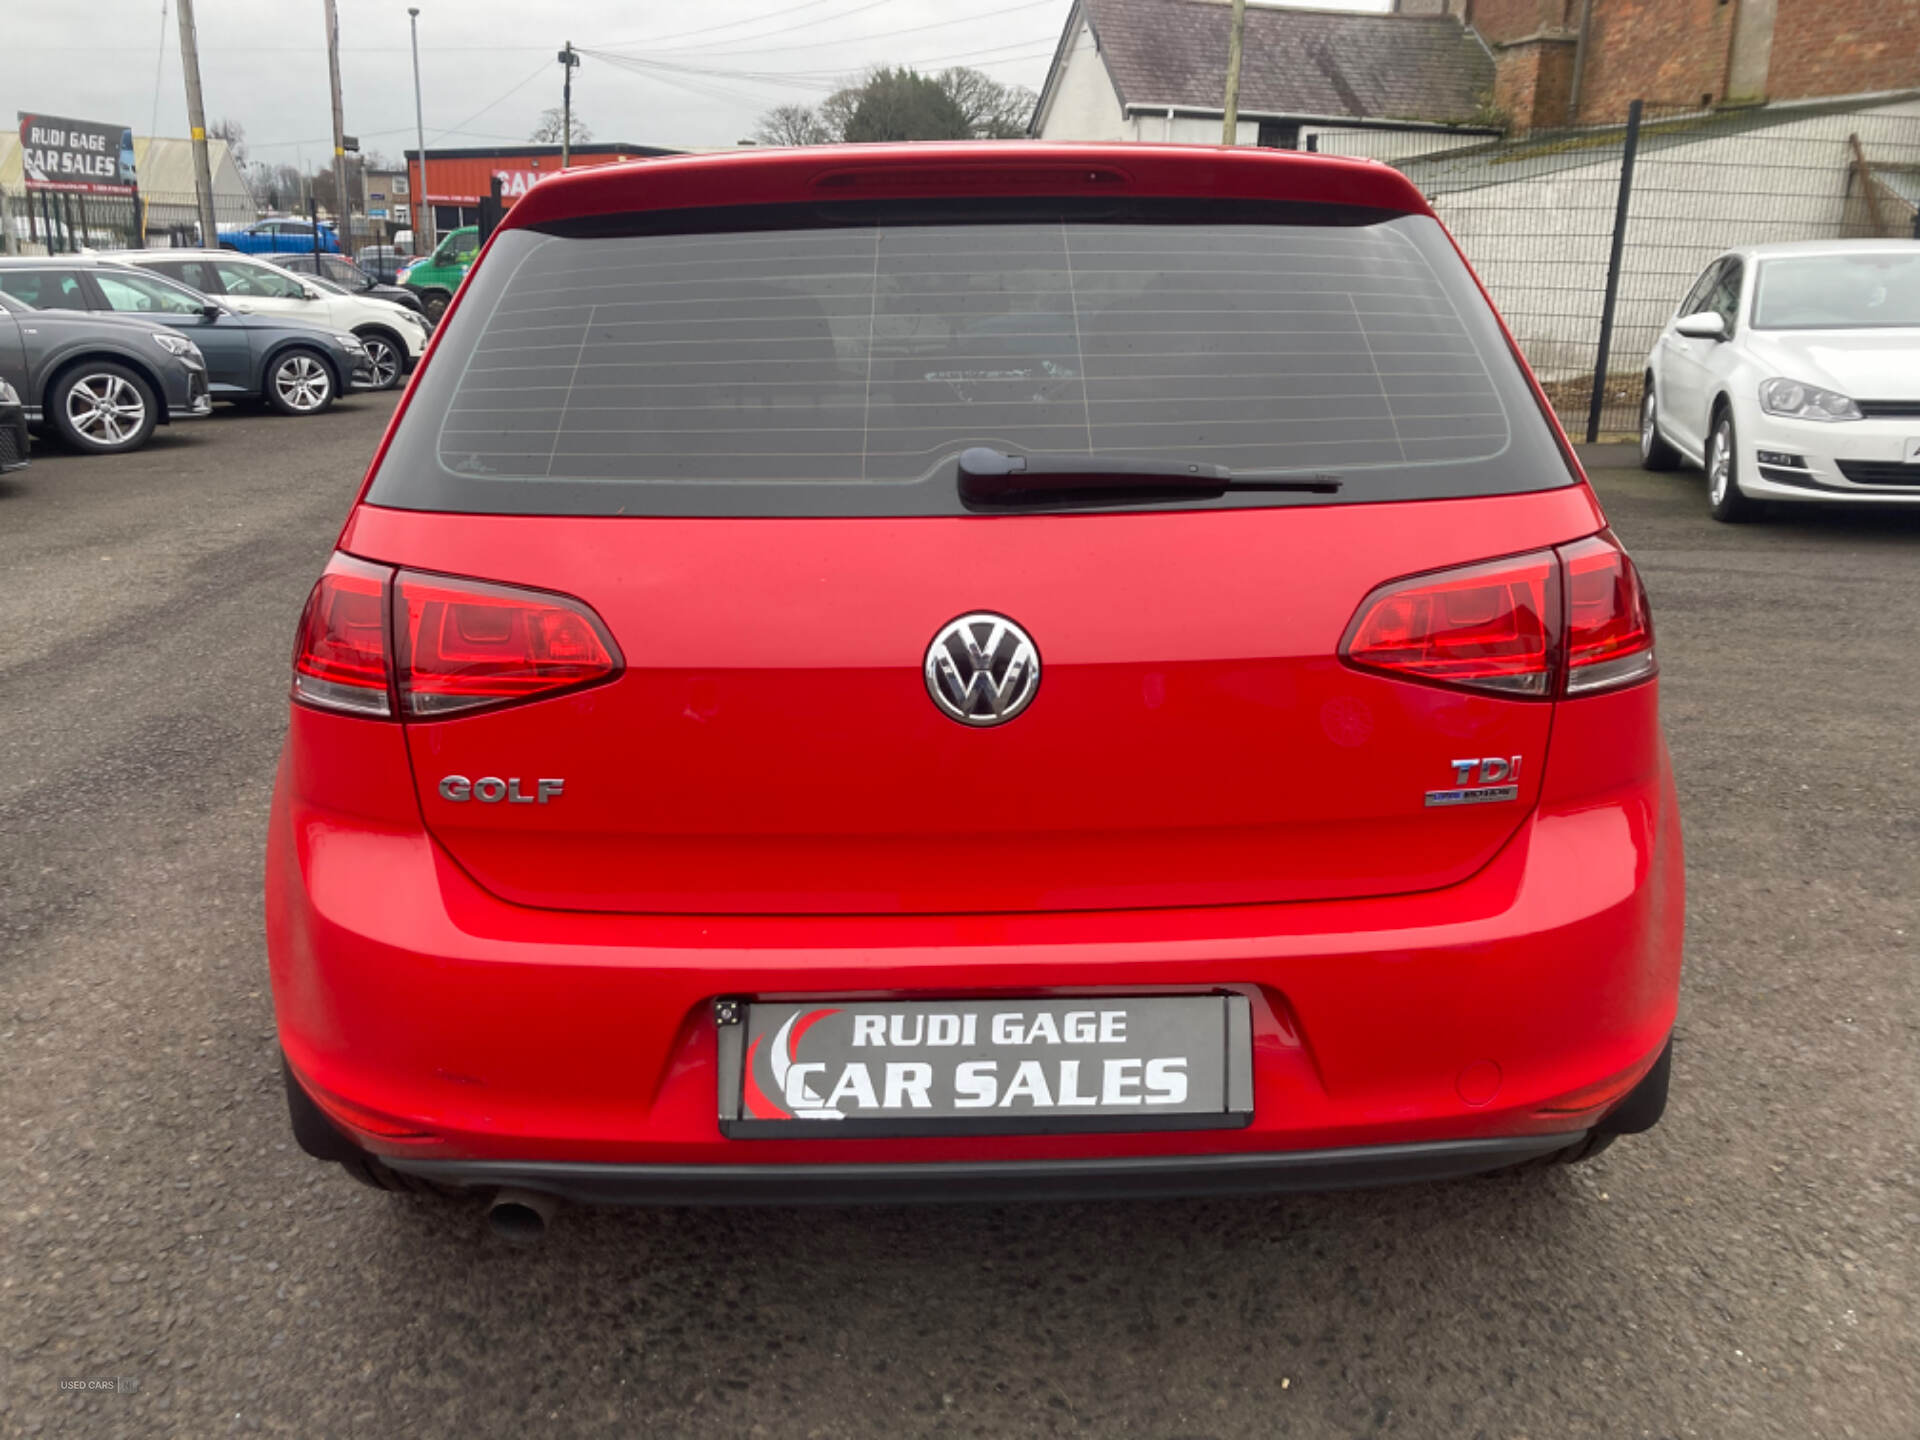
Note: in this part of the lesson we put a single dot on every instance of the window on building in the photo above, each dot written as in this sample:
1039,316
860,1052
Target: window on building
1280,134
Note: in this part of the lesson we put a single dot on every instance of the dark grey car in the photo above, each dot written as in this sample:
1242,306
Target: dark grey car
296,367
101,381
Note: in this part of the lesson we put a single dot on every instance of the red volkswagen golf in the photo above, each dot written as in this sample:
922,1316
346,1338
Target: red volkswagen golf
959,671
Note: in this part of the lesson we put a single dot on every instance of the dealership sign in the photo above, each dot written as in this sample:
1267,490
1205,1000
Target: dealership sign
76,155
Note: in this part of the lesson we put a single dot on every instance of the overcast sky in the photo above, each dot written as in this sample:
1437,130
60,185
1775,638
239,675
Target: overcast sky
488,67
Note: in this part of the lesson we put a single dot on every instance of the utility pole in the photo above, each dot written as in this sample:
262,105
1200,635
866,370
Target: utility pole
420,125
197,121
342,202
1230,121
569,62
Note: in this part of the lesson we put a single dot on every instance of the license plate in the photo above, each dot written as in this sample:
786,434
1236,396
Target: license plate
1913,452
824,1068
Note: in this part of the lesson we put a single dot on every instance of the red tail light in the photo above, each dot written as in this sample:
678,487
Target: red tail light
1570,621
465,644
340,654
1482,627
1609,629
443,646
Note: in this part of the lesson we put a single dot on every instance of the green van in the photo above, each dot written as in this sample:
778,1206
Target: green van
435,277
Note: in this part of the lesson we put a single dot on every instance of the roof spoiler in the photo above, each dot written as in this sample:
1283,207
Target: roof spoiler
982,168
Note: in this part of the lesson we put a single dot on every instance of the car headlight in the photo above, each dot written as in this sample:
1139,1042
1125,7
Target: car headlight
1805,402
177,345
8,395
351,344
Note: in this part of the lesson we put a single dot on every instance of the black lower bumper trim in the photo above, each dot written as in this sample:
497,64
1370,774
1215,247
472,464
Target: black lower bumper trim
1129,1177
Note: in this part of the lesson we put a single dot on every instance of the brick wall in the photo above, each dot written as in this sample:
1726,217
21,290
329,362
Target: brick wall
1532,82
1674,52
1844,47
1667,51
1503,20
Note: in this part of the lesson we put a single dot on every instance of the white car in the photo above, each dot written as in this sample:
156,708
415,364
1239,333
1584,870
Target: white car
1792,373
394,336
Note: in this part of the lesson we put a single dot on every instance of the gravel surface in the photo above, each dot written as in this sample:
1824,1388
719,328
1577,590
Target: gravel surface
1747,1270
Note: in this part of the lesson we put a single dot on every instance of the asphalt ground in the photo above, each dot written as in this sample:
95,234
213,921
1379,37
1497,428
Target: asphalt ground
1747,1270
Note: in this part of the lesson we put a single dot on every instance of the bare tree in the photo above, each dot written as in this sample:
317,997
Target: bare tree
235,134
278,187
553,123
994,111
791,125
836,111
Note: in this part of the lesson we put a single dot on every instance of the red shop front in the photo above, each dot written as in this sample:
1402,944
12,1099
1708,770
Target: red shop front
456,179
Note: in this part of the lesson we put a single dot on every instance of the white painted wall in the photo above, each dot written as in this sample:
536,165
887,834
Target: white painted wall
1541,244
1084,105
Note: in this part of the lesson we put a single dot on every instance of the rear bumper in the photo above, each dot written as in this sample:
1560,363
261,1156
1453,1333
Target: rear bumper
1139,1177
436,1024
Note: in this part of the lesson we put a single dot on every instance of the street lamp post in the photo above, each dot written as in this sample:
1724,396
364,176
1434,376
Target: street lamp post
424,201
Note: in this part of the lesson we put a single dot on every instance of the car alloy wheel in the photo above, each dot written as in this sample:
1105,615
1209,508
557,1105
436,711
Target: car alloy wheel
1719,463
383,358
1648,428
302,383
106,410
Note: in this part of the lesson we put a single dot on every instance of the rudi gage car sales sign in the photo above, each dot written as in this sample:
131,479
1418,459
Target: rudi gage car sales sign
76,155
1107,1063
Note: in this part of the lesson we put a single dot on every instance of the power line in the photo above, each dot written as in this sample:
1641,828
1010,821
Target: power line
878,34
788,29
995,55
810,79
159,64
461,128
735,24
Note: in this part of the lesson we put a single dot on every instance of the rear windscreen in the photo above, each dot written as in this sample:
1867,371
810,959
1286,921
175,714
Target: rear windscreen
838,363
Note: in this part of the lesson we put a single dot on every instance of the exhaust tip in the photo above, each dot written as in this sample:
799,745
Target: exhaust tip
521,1217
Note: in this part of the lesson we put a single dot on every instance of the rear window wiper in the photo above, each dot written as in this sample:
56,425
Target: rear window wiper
991,477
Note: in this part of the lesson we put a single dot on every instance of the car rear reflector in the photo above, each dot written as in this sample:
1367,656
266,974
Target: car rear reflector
1609,628
1571,621
465,645
1481,627
340,653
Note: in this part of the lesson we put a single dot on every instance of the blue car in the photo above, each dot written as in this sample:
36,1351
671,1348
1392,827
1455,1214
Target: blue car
280,233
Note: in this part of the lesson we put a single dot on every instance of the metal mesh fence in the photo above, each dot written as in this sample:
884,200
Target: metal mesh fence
48,222
1538,218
